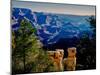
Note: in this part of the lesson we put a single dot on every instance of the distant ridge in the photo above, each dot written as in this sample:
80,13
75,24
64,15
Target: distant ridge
52,27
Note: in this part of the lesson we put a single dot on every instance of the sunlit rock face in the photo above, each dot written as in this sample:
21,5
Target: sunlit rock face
70,61
50,28
57,58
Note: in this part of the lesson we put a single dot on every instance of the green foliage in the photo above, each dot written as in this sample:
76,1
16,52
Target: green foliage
24,41
92,21
86,52
87,48
27,56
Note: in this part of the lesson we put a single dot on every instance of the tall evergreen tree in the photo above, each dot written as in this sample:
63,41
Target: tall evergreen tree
24,41
27,54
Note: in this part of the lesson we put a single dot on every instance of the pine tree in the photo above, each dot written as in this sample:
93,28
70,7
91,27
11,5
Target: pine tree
26,54
24,42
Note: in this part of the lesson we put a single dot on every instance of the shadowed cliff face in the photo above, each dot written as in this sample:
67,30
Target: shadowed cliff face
51,28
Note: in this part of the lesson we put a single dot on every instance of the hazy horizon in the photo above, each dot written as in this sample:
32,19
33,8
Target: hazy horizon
82,10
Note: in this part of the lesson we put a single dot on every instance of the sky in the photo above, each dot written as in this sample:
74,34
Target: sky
56,8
